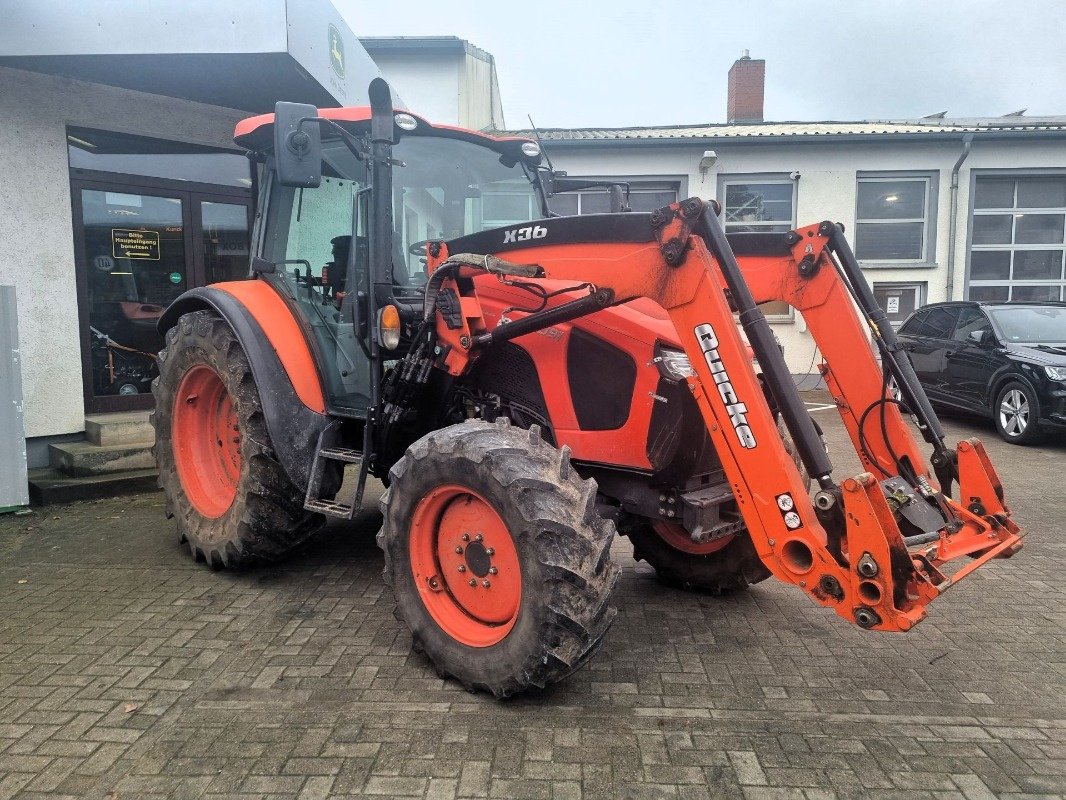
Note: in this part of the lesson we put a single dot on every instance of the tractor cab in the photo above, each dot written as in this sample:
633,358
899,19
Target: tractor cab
347,209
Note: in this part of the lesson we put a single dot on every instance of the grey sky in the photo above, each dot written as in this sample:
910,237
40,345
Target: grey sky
648,62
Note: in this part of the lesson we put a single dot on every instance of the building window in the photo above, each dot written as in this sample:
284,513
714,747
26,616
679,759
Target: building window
643,196
1018,238
762,207
763,204
894,218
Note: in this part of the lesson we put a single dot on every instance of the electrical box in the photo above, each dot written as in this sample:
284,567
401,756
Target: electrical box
14,489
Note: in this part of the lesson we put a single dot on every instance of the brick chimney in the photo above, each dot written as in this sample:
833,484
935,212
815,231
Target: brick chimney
747,79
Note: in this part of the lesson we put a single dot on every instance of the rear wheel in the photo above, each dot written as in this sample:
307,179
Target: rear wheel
233,502
497,557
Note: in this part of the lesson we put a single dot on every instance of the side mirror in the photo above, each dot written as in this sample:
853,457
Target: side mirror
297,145
978,337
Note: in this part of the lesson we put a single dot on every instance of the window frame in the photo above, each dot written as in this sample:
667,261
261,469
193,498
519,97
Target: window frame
732,178
1015,175
929,230
921,291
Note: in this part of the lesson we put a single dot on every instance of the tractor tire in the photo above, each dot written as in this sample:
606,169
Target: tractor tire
498,560
233,502
681,563
717,567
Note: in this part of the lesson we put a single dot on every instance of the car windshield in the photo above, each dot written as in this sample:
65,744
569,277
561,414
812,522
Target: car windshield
1031,324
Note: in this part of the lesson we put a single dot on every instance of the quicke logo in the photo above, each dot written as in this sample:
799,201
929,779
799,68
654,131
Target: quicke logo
737,411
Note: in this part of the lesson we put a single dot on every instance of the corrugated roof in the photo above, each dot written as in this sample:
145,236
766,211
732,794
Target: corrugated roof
806,130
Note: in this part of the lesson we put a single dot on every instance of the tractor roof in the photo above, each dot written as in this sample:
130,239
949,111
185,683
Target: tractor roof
256,133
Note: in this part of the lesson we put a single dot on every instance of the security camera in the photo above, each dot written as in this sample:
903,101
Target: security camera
794,176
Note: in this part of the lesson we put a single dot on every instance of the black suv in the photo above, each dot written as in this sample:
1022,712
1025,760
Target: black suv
1004,360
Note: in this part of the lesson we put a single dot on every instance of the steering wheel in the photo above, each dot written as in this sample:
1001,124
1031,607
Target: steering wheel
419,248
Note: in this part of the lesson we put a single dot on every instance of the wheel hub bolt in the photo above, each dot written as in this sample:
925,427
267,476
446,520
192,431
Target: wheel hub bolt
473,582
459,550
462,568
478,538
490,551
493,570
466,537
486,584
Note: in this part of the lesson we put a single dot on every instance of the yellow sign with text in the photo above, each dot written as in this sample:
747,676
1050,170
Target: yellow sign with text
142,245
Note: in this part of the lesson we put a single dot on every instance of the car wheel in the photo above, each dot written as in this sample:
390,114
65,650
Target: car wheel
1016,412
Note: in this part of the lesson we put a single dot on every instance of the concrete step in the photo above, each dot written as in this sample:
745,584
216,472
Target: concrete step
128,427
48,486
80,459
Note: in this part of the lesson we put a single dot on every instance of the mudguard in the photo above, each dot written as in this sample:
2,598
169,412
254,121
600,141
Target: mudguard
294,427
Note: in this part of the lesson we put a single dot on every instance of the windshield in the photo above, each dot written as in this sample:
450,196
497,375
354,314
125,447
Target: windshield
1031,324
450,188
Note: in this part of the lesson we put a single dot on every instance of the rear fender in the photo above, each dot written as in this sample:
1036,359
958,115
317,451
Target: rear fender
294,426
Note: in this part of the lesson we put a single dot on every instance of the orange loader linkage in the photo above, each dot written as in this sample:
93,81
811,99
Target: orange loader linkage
845,549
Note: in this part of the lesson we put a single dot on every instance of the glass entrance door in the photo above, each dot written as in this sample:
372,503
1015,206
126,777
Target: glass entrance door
136,263
137,250
224,240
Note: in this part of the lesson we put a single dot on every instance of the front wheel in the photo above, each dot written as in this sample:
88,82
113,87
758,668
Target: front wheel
498,560
717,567
1017,411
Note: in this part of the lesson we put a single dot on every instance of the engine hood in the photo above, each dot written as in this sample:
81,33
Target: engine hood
1043,354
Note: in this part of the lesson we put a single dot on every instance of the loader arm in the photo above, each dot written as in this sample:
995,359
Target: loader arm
872,547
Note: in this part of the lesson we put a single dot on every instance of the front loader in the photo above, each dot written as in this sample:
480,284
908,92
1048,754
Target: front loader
527,386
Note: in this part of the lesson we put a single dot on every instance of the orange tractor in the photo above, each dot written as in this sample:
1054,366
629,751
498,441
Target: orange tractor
528,385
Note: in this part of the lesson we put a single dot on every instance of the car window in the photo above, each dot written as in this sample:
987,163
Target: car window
939,324
912,325
971,318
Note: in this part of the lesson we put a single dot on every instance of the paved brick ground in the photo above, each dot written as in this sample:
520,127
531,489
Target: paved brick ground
127,671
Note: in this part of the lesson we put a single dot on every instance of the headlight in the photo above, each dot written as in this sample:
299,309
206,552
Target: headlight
673,364
1056,373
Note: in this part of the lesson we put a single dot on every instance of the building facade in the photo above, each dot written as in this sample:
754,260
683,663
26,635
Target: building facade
122,187
935,208
121,184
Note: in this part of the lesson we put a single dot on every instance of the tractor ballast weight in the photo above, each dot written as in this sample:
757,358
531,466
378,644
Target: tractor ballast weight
525,391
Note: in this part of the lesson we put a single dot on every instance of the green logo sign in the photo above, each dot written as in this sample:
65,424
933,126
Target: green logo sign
175,277
336,51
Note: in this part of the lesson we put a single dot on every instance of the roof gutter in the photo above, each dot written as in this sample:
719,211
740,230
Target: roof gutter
967,142
789,139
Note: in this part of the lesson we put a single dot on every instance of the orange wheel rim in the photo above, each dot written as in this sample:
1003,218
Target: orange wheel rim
678,538
465,565
206,442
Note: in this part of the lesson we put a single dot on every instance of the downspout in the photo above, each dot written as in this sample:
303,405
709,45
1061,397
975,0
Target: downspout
967,141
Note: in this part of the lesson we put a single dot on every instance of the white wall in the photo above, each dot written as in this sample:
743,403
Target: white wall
428,83
449,88
36,233
826,190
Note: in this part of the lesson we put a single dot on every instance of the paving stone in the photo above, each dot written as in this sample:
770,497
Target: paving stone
126,668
